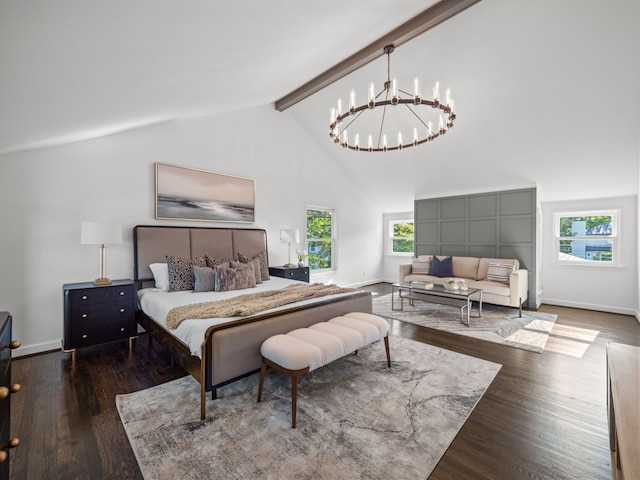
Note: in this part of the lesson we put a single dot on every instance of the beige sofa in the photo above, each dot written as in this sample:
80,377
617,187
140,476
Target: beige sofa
502,281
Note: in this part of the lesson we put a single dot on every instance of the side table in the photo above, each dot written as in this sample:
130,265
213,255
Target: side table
98,314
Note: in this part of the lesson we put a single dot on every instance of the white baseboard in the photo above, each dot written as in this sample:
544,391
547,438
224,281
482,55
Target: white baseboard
588,306
365,283
36,348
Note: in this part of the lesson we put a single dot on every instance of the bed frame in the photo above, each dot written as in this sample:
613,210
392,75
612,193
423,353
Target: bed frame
230,351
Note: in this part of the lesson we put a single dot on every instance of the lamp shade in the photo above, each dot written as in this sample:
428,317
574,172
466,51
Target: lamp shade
291,235
100,233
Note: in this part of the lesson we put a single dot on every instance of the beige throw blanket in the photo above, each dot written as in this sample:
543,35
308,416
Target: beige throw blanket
250,303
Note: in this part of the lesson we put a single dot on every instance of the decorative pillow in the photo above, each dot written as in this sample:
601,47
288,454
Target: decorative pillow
180,271
441,268
160,275
205,279
230,278
214,261
499,270
421,265
255,262
262,257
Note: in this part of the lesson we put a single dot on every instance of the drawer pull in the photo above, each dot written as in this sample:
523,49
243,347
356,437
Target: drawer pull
84,315
4,391
122,310
84,297
122,329
15,344
85,335
122,294
13,443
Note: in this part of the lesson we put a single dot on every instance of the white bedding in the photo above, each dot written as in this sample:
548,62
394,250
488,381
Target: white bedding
156,304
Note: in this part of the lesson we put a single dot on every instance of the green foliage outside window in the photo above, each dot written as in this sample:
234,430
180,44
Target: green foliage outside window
402,238
319,238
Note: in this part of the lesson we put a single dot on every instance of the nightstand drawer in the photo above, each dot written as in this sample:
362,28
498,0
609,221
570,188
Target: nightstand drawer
89,296
101,312
294,273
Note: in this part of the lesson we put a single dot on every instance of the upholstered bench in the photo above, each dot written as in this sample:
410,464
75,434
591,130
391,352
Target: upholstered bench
305,349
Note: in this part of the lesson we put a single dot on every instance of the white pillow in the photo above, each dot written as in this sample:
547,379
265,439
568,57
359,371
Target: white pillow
161,275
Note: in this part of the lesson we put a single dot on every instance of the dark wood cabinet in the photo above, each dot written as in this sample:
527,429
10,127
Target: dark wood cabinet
295,273
98,314
6,390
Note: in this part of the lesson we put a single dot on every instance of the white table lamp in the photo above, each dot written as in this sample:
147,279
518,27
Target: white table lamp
101,233
290,235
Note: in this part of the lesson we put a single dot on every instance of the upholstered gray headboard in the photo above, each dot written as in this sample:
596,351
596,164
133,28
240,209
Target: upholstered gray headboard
152,243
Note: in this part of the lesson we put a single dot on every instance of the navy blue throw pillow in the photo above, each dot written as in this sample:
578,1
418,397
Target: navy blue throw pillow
441,268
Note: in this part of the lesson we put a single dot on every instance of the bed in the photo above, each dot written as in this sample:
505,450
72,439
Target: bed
230,349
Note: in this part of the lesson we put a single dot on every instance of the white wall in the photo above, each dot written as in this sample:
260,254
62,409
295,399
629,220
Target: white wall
46,194
613,289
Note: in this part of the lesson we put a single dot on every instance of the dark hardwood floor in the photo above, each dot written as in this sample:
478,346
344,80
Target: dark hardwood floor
543,417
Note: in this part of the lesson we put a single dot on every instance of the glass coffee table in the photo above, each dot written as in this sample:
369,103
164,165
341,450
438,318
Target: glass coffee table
429,292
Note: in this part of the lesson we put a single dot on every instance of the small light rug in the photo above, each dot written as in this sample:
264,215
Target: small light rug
498,324
356,419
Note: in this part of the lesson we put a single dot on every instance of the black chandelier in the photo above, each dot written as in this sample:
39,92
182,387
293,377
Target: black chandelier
356,116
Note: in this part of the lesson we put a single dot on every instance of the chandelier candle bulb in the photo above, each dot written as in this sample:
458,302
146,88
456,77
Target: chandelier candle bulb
448,97
372,95
415,137
370,143
339,107
357,142
352,101
436,94
400,140
394,92
384,142
416,91
332,115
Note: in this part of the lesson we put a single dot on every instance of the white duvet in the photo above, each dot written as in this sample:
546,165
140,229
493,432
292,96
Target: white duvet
157,303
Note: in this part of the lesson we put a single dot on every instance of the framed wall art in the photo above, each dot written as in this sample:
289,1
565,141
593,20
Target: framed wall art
191,194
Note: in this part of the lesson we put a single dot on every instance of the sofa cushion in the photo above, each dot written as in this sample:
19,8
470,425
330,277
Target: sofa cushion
500,270
466,267
441,267
421,265
489,287
483,268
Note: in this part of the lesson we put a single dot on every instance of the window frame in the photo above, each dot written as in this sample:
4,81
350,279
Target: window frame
391,237
334,237
614,238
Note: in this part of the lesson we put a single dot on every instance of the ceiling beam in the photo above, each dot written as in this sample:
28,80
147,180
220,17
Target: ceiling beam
422,22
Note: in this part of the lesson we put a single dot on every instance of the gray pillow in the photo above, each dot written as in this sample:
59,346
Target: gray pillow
230,278
205,279
262,258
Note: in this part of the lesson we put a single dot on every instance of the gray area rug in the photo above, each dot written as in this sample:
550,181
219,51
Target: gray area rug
498,324
356,419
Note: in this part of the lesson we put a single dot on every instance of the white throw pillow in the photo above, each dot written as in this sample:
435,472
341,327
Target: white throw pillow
160,275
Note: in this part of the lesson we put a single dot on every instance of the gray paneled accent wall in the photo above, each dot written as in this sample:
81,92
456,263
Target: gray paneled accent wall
493,225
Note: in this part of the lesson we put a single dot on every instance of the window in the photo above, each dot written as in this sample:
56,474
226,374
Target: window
587,238
401,237
321,238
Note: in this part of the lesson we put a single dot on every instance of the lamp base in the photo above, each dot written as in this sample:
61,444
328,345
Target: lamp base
101,281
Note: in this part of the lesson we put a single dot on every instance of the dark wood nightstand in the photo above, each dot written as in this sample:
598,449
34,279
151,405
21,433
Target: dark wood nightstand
295,273
98,314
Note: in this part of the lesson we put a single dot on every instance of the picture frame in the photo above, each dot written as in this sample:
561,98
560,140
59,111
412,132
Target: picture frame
185,193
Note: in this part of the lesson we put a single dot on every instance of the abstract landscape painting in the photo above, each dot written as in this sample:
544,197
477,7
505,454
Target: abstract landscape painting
192,194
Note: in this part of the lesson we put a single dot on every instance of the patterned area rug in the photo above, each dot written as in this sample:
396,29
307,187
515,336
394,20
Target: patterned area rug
356,419
497,324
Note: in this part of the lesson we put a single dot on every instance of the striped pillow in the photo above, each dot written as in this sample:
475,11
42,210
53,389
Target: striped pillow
421,265
499,270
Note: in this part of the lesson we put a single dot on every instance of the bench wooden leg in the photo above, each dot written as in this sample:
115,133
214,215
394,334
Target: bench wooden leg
263,370
294,374
386,347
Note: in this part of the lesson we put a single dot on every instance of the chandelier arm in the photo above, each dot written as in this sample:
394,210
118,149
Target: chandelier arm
416,115
384,111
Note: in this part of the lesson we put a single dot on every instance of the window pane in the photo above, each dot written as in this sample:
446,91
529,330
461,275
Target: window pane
596,250
403,230
318,224
402,245
319,254
586,225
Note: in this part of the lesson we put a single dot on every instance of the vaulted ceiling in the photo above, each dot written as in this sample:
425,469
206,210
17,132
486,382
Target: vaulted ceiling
548,89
